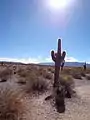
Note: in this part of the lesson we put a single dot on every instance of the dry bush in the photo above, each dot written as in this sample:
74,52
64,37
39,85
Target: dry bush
11,107
88,77
36,84
47,76
41,71
34,80
21,81
67,71
87,71
22,73
83,74
66,80
76,72
44,73
5,74
77,76
50,69
68,83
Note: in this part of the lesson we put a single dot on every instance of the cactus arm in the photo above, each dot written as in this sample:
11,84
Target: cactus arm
53,56
63,55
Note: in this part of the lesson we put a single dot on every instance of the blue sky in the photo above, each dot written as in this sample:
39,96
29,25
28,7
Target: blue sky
29,30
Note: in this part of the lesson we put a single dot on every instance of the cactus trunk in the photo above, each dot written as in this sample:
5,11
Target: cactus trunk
57,64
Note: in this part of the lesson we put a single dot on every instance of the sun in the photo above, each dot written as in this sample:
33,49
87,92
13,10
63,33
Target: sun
58,4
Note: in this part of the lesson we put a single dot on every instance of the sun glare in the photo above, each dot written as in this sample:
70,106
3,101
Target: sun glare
58,4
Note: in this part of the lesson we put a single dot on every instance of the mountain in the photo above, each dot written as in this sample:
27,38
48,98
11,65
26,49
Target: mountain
69,64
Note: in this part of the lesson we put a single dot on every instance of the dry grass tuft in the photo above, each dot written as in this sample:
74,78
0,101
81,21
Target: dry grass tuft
66,80
11,106
44,73
22,73
68,84
36,84
75,72
5,74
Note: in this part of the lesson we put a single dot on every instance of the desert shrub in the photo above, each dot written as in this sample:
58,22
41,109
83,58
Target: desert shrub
5,74
44,73
47,75
66,80
11,107
67,71
52,71
49,69
88,77
22,73
77,75
21,81
83,74
41,71
88,71
36,84
68,84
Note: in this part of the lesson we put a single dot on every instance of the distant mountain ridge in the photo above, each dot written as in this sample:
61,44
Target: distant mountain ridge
71,64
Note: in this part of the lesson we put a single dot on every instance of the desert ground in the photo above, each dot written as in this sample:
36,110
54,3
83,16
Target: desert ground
23,89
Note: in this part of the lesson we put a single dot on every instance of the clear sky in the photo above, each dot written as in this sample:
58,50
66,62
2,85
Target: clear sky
29,30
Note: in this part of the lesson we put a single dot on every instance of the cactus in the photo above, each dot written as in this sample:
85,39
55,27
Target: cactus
85,66
58,58
58,92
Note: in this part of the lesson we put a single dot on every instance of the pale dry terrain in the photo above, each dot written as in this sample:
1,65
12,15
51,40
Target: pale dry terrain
34,105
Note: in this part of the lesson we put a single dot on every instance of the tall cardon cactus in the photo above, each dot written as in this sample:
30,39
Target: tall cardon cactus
58,92
58,58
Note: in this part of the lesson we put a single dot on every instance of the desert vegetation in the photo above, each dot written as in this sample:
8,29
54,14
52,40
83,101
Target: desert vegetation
11,106
36,81
5,74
